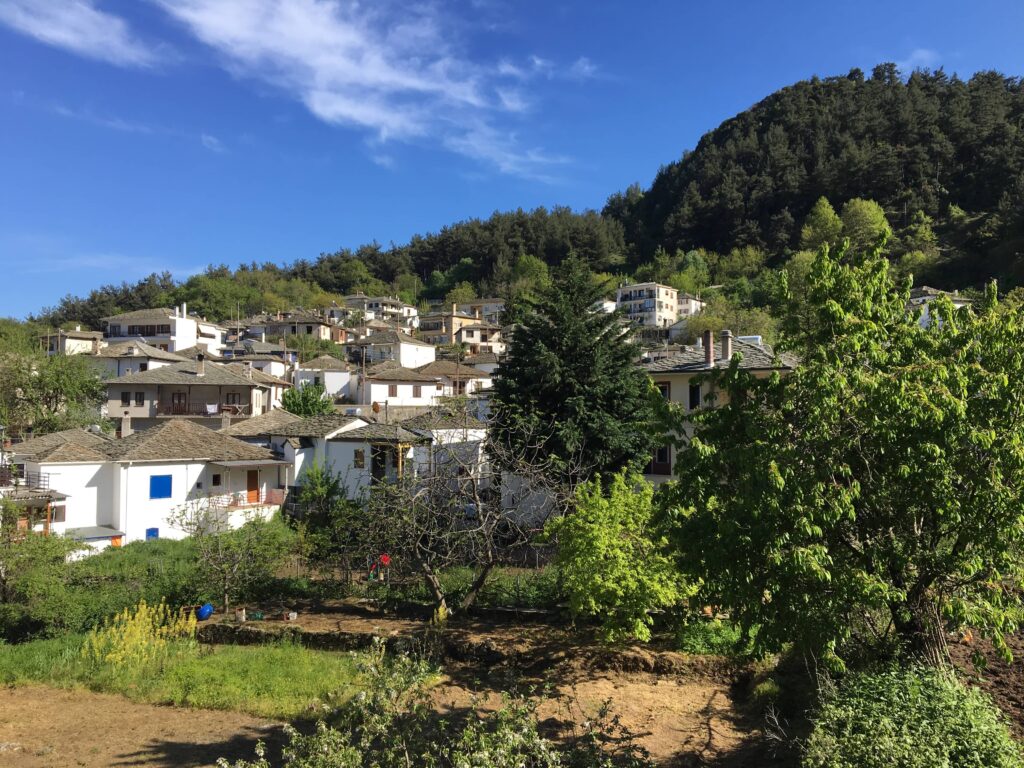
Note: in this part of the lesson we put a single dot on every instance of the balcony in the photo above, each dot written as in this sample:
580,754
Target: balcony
207,410
268,497
16,477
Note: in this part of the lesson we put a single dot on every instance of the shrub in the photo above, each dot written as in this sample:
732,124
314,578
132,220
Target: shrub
711,636
911,718
144,636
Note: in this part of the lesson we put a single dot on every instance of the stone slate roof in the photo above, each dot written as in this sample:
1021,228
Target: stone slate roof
389,337
452,370
156,313
190,353
755,357
46,443
325,363
138,349
70,453
86,335
484,358
257,376
314,426
254,346
265,424
480,326
381,433
442,418
391,371
185,373
183,440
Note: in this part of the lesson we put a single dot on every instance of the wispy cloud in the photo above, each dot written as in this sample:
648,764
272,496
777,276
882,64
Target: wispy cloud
390,68
583,69
919,58
114,123
212,143
78,26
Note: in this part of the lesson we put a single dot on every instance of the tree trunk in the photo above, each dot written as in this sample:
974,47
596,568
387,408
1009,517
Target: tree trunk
920,628
434,585
475,587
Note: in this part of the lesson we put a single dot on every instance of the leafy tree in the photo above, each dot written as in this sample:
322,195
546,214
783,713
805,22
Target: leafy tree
864,223
612,562
307,400
231,559
877,488
460,294
822,226
721,312
48,393
569,375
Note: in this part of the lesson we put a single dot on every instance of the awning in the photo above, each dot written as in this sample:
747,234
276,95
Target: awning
92,532
253,463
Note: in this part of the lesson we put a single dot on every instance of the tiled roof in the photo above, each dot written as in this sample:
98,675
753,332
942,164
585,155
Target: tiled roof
183,440
254,346
390,337
87,335
480,326
325,363
264,424
46,443
381,433
484,358
314,426
452,370
138,349
157,313
755,357
185,373
70,452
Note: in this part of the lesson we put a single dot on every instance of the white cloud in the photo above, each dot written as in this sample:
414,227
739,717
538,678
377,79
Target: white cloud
919,58
582,69
212,143
77,26
388,67
104,121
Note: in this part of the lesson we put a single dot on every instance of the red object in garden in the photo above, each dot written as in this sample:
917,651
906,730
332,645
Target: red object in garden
385,560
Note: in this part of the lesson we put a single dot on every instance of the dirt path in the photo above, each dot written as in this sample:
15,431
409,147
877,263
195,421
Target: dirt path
48,728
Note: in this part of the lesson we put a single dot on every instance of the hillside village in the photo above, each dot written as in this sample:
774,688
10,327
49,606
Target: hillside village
197,407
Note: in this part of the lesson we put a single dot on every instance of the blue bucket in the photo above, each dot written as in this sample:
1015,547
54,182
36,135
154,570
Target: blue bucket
204,612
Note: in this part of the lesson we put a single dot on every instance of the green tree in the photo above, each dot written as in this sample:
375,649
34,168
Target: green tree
877,488
822,226
568,390
612,562
307,400
864,223
48,393
460,294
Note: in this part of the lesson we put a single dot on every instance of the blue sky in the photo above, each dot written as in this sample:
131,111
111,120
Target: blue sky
145,135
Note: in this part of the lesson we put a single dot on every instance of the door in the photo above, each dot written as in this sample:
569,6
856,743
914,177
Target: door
178,403
252,486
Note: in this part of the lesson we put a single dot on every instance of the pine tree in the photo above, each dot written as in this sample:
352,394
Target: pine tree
568,393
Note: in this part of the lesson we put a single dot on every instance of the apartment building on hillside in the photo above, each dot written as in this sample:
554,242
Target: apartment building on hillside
164,328
652,305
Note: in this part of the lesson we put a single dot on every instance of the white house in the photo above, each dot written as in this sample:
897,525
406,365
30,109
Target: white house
649,304
390,384
375,453
259,430
456,378
390,347
923,297
485,361
334,375
305,441
129,357
76,342
164,328
123,490
489,310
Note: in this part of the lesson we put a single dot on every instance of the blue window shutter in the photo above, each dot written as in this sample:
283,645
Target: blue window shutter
152,533
159,486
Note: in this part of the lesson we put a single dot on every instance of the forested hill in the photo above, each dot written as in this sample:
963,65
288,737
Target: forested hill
943,157
925,143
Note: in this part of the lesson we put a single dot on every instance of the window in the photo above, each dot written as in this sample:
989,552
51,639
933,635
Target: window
694,396
114,330
233,398
215,480
143,367
316,381
126,399
440,387
159,486
57,514
392,390
664,388
359,460
309,330
140,399
417,390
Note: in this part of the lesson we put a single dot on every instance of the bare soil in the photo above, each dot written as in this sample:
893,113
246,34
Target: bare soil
44,727
1003,682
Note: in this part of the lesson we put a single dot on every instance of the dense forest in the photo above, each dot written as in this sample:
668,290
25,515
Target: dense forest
936,161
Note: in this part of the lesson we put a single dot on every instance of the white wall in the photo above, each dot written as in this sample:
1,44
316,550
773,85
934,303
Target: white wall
183,333
89,488
335,383
377,392
136,511
415,355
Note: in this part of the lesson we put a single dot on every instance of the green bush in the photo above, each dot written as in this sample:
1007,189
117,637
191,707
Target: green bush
711,636
909,718
505,588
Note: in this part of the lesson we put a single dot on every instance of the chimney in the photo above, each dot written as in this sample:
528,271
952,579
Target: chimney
78,327
455,307
727,346
476,312
200,364
184,309
225,420
126,424
709,348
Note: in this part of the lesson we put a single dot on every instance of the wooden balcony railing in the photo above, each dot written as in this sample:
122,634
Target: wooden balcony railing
12,476
267,497
202,409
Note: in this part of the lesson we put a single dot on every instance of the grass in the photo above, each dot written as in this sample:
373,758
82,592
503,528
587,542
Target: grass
283,681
